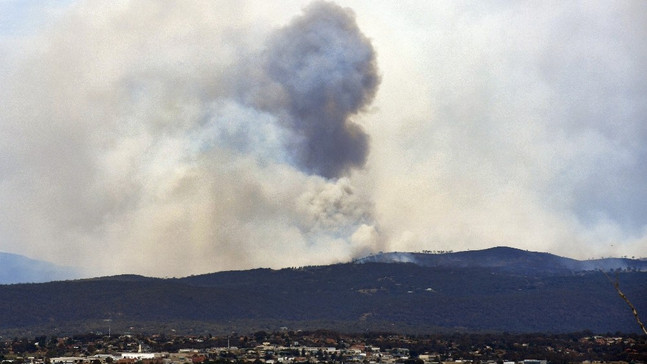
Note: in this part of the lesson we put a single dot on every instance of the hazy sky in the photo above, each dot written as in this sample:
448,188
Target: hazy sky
174,138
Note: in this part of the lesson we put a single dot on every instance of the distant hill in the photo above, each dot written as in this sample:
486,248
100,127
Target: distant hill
473,291
508,259
16,268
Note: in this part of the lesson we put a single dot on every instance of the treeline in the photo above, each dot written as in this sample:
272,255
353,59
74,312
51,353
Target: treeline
346,297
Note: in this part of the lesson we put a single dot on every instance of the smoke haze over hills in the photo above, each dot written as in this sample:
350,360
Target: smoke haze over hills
18,269
182,138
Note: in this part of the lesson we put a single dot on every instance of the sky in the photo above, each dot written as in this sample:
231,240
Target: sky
176,138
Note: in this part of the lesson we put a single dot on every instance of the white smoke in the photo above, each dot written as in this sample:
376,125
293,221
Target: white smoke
170,139
134,138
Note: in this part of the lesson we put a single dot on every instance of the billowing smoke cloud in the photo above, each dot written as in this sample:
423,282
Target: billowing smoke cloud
326,71
186,137
523,126
171,140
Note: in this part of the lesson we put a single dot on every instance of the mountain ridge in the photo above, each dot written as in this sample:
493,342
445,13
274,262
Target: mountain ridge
507,258
353,297
15,268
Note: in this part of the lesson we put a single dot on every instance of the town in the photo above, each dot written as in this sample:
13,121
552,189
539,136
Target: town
287,346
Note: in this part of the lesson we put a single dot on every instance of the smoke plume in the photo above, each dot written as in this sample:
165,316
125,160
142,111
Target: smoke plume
326,72
183,137
172,140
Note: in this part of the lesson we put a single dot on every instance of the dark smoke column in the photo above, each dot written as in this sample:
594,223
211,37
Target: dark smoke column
327,70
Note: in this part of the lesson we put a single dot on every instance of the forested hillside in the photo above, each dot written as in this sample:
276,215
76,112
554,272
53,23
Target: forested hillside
400,297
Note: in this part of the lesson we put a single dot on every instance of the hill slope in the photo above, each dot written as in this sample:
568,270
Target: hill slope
509,259
401,297
19,269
